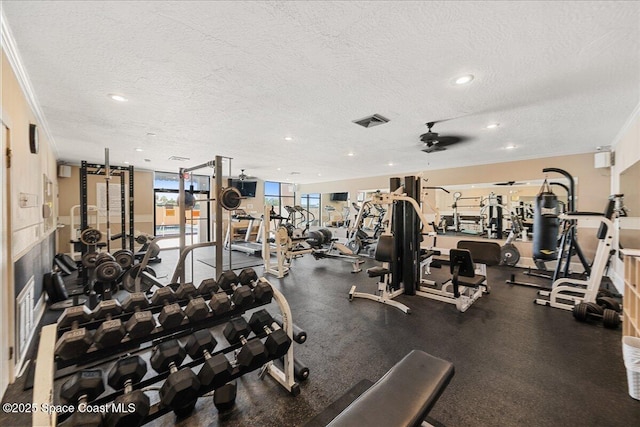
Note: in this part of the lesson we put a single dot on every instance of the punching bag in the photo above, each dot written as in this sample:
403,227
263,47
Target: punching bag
545,224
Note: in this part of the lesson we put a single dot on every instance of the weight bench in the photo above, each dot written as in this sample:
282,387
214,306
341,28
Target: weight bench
403,396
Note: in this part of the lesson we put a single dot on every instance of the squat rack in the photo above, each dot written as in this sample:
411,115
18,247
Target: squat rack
87,169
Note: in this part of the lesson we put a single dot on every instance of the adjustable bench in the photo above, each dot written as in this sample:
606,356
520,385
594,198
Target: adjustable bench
402,397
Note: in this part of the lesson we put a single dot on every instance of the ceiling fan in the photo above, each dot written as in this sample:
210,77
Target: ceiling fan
434,142
242,176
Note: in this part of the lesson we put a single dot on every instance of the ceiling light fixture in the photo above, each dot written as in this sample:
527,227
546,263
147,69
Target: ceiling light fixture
350,154
279,169
151,134
463,80
390,164
510,147
493,125
319,174
138,149
288,138
117,97
126,163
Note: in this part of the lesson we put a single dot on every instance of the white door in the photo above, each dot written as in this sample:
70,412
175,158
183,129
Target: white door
5,291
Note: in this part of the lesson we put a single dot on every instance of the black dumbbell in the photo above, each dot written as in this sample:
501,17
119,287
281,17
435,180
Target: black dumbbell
79,390
220,303
77,341
141,323
208,287
608,302
134,403
262,291
171,315
242,295
592,311
277,342
225,397
216,370
253,354
298,334
196,309
111,331
181,388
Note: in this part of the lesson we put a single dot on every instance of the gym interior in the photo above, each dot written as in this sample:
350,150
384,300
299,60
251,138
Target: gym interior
320,213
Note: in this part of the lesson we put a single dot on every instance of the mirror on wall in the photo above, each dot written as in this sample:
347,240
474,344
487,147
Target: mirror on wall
630,225
486,209
335,209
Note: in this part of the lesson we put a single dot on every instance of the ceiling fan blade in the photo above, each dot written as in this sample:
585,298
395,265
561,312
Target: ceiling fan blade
444,141
433,149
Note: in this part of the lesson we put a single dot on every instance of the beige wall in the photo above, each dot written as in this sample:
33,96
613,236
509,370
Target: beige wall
627,155
26,174
70,196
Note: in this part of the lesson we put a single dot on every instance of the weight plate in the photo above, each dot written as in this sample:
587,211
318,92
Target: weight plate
141,239
604,293
580,312
354,245
594,308
124,257
610,319
90,236
282,236
328,235
129,279
104,257
509,255
608,302
230,198
154,248
89,259
108,271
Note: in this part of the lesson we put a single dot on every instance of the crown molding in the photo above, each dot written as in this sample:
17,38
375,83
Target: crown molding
8,44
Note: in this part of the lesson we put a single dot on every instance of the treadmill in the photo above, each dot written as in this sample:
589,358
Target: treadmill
244,245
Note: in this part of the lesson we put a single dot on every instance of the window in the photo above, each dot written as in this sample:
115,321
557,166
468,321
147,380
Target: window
311,202
167,216
279,195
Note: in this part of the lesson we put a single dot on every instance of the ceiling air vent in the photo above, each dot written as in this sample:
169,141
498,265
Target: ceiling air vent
371,121
179,159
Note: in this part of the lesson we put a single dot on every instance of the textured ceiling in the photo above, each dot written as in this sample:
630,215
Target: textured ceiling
235,78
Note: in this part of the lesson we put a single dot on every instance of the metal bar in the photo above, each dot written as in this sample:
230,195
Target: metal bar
209,164
131,210
218,214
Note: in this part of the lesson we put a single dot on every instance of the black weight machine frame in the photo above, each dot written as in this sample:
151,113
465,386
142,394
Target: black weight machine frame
87,169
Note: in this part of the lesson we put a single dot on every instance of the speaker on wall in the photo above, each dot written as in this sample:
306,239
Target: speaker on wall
64,171
603,159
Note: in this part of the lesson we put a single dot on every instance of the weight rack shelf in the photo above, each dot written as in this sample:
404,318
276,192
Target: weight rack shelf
46,369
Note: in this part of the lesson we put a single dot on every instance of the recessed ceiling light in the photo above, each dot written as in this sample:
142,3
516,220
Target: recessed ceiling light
467,78
493,125
390,163
510,147
117,97
288,138
126,163
351,154
319,174
279,169
138,149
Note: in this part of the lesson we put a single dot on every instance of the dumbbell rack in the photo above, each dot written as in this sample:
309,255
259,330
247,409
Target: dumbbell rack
49,369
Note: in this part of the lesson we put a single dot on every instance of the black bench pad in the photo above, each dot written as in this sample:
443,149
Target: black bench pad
377,271
472,282
403,396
